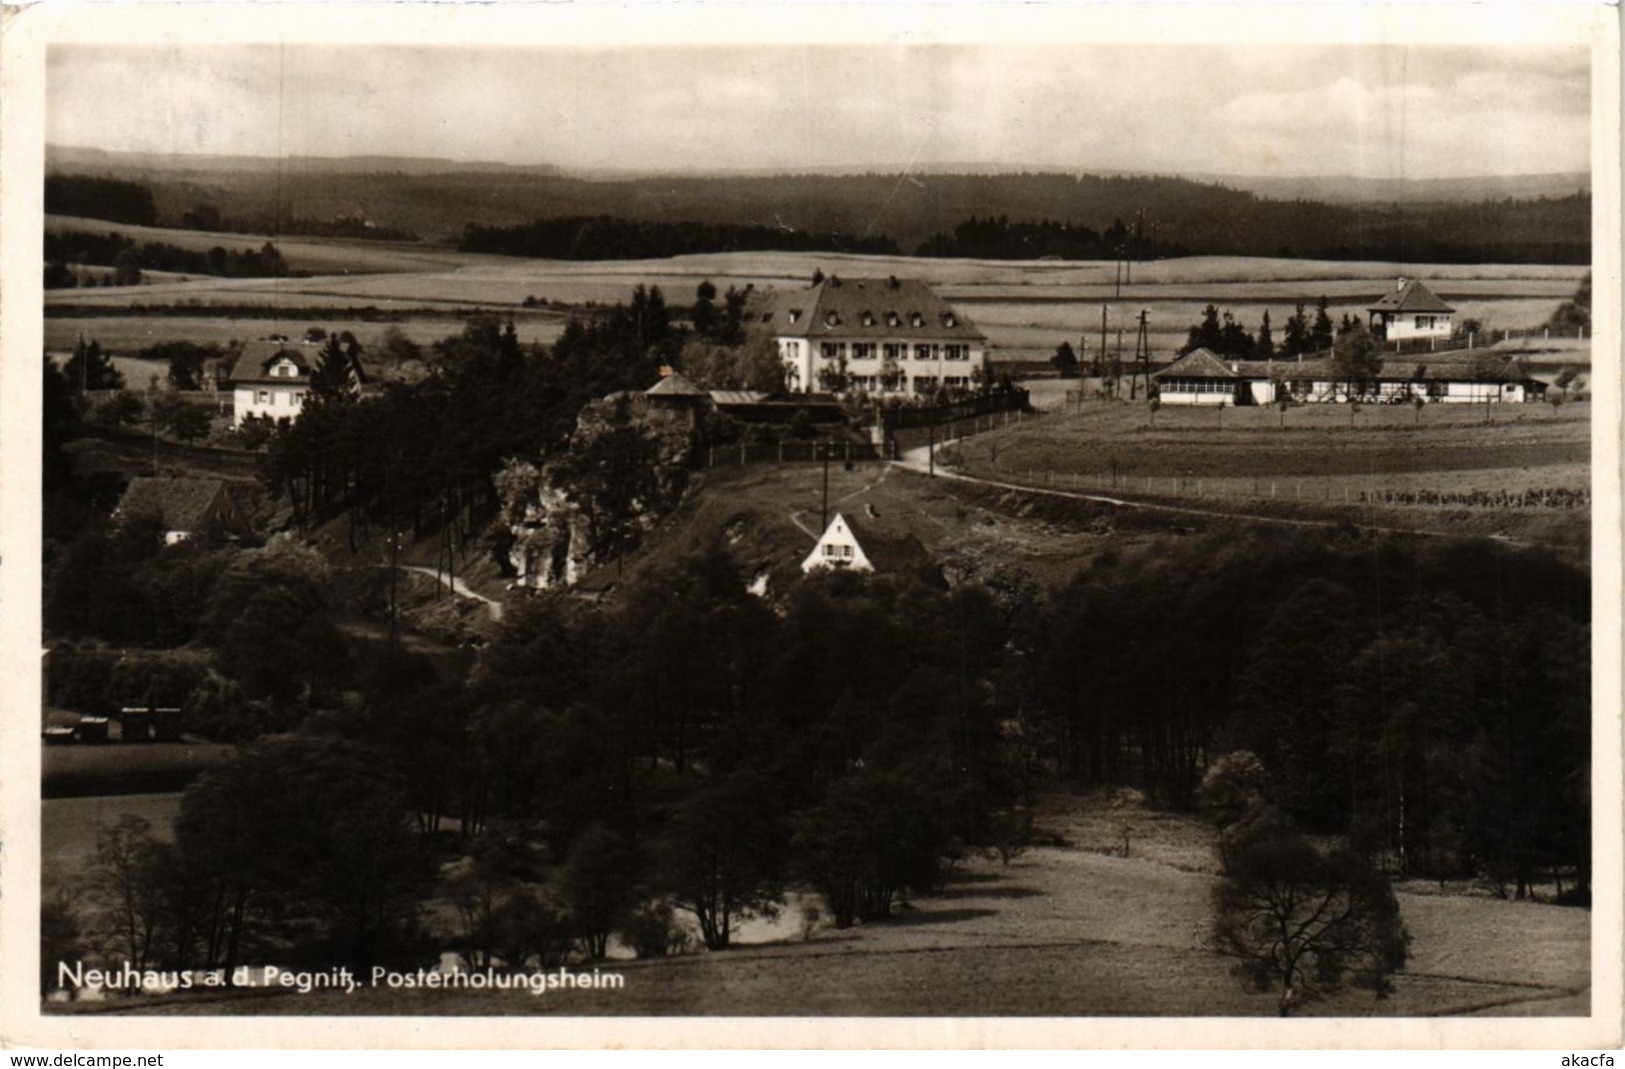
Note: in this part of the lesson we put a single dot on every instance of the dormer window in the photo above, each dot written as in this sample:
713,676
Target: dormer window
948,320
832,319
868,319
893,320
916,319
795,315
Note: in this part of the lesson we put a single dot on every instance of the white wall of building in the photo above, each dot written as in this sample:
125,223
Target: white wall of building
1403,326
921,366
273,401
838,549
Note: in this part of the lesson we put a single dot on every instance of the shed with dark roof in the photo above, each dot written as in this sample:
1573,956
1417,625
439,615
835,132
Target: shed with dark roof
186,506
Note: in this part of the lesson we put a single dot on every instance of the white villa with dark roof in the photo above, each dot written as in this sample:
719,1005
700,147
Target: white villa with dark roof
1410,310
270,380
886,336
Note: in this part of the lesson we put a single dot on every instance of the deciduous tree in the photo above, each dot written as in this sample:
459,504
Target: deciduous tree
1304,923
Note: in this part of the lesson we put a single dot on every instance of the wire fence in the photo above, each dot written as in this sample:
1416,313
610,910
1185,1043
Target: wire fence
1463,341
796,453
1338,490
850,452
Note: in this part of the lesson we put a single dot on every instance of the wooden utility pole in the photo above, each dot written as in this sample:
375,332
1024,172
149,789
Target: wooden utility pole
823,524
1103,335
1142,360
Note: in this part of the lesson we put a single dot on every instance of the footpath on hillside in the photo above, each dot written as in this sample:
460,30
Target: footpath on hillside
458,587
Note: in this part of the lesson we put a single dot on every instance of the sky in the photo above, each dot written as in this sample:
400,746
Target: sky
1371,111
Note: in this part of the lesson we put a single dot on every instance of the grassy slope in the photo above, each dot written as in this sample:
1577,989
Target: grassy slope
754,511
1239,456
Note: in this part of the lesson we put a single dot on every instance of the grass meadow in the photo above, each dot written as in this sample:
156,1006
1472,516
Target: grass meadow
1334,460
1081,929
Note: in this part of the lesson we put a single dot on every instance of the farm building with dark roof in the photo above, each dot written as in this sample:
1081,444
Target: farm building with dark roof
187,507
1199,378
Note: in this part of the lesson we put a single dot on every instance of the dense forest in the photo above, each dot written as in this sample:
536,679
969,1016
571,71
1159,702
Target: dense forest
129,259
604,238
916,212
100,198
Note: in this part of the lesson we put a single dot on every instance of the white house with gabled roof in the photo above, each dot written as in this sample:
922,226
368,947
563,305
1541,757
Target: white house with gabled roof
1410,310
270,379
837,550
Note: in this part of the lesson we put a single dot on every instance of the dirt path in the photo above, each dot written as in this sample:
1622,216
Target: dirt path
917,460
458,587
795,514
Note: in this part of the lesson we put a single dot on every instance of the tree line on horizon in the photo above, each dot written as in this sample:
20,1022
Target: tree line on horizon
883,213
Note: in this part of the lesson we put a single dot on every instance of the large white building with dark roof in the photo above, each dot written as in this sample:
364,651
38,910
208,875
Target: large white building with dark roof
883,336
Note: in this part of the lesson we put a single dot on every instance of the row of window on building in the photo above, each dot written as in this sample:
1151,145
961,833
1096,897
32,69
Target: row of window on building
837,350
294,398
920,384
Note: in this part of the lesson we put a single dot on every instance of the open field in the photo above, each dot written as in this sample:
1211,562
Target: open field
1074,930
319,256
1026,308
1327,458
131,333
116,768
68,829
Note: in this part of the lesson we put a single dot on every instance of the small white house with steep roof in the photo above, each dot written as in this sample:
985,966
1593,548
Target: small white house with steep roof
838,549
1410,310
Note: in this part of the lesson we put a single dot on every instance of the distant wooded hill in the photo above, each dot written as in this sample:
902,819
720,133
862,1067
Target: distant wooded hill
917,212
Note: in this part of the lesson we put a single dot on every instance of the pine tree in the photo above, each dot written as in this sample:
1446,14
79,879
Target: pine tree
1320,335
91,369
1295,341
705,309
1265,349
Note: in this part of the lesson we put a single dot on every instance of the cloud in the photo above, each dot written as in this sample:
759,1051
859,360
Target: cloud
1366,110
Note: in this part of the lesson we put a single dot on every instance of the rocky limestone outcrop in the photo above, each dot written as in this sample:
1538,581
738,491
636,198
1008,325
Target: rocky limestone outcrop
626,467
